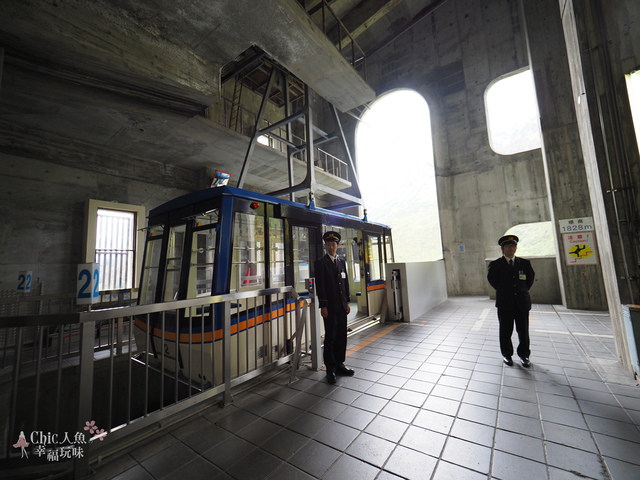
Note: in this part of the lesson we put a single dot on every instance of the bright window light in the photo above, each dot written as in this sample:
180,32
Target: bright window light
396,173
512,114
536,239
633,87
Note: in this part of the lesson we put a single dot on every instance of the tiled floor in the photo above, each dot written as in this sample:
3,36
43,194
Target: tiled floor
429,400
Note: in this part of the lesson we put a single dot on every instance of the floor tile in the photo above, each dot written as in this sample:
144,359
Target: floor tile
351,468
337,435
410,464
423,440
355,417
371,449
315,458
169,460
520,445
285,443
506,467
430,400
449,471
473,432
308,424
387,428
466,454
256,465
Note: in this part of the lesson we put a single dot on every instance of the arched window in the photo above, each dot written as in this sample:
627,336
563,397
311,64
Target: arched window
396,171
633,88
513,121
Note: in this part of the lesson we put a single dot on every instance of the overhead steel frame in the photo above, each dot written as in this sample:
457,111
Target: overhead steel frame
305,115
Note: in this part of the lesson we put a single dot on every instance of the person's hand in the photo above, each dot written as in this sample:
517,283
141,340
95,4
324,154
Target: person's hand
348,309
324,311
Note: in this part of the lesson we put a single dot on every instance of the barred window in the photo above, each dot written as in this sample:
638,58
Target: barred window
115,248
113,232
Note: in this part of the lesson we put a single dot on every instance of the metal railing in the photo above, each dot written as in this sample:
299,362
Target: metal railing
324,160
358,56
75,395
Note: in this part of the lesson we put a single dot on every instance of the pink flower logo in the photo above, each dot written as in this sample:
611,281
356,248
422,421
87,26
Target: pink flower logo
91,426
95,430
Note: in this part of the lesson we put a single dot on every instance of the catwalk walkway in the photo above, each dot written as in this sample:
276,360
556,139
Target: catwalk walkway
429,400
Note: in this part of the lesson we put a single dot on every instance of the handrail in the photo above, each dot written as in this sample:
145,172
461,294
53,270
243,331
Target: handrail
130,373
342,27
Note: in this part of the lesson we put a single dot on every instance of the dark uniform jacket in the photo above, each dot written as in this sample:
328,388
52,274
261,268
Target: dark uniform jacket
332,285
512,284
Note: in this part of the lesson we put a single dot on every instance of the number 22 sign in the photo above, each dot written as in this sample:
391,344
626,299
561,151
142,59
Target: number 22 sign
24,282
87,286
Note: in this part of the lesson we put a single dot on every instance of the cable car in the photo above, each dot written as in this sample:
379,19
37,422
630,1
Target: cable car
226,240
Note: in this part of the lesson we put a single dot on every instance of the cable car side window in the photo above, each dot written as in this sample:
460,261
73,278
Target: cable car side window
151,265
174,262
248,252
374,262
388,249
301,256
203,249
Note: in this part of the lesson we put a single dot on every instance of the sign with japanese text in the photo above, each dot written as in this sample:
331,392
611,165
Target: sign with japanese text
580,248
576,225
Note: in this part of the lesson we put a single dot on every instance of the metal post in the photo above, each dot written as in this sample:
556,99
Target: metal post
85,413
316,339
226,339
256,130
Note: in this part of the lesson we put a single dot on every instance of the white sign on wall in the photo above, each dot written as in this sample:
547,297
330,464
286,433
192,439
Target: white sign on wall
579,240
87,286
572,225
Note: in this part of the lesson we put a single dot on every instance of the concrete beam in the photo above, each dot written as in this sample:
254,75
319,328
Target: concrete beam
101,44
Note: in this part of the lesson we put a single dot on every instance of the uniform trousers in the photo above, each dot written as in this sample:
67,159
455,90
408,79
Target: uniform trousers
507,316
335,340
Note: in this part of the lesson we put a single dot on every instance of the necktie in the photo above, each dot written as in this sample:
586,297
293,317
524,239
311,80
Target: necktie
511,263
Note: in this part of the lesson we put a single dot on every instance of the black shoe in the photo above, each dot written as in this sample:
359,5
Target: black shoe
507,361
525,362
331,378
344,371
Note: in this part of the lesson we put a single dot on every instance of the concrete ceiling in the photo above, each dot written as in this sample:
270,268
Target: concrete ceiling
134,78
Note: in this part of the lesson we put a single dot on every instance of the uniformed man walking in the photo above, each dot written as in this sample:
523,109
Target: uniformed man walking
332,286
512,278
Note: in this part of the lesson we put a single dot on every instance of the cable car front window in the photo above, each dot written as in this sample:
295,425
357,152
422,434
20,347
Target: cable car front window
248,253
151,266
174,262
276,260
203,249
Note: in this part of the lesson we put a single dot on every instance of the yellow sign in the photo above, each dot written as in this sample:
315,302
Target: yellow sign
580,248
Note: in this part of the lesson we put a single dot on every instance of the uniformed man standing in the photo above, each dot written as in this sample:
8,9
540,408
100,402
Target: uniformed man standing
512,278
332,286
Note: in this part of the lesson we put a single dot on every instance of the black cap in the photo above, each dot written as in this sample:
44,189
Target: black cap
508,239
331,236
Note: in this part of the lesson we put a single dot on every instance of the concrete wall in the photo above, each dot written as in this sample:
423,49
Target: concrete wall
42,201
423,287
451,57
545,288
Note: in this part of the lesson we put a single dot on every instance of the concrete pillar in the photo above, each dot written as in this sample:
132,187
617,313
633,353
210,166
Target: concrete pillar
582,286
610,228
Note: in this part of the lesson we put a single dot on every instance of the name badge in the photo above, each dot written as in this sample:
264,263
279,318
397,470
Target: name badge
522,276
342,275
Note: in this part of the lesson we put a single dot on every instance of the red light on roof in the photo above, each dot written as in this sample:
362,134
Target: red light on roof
254,205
